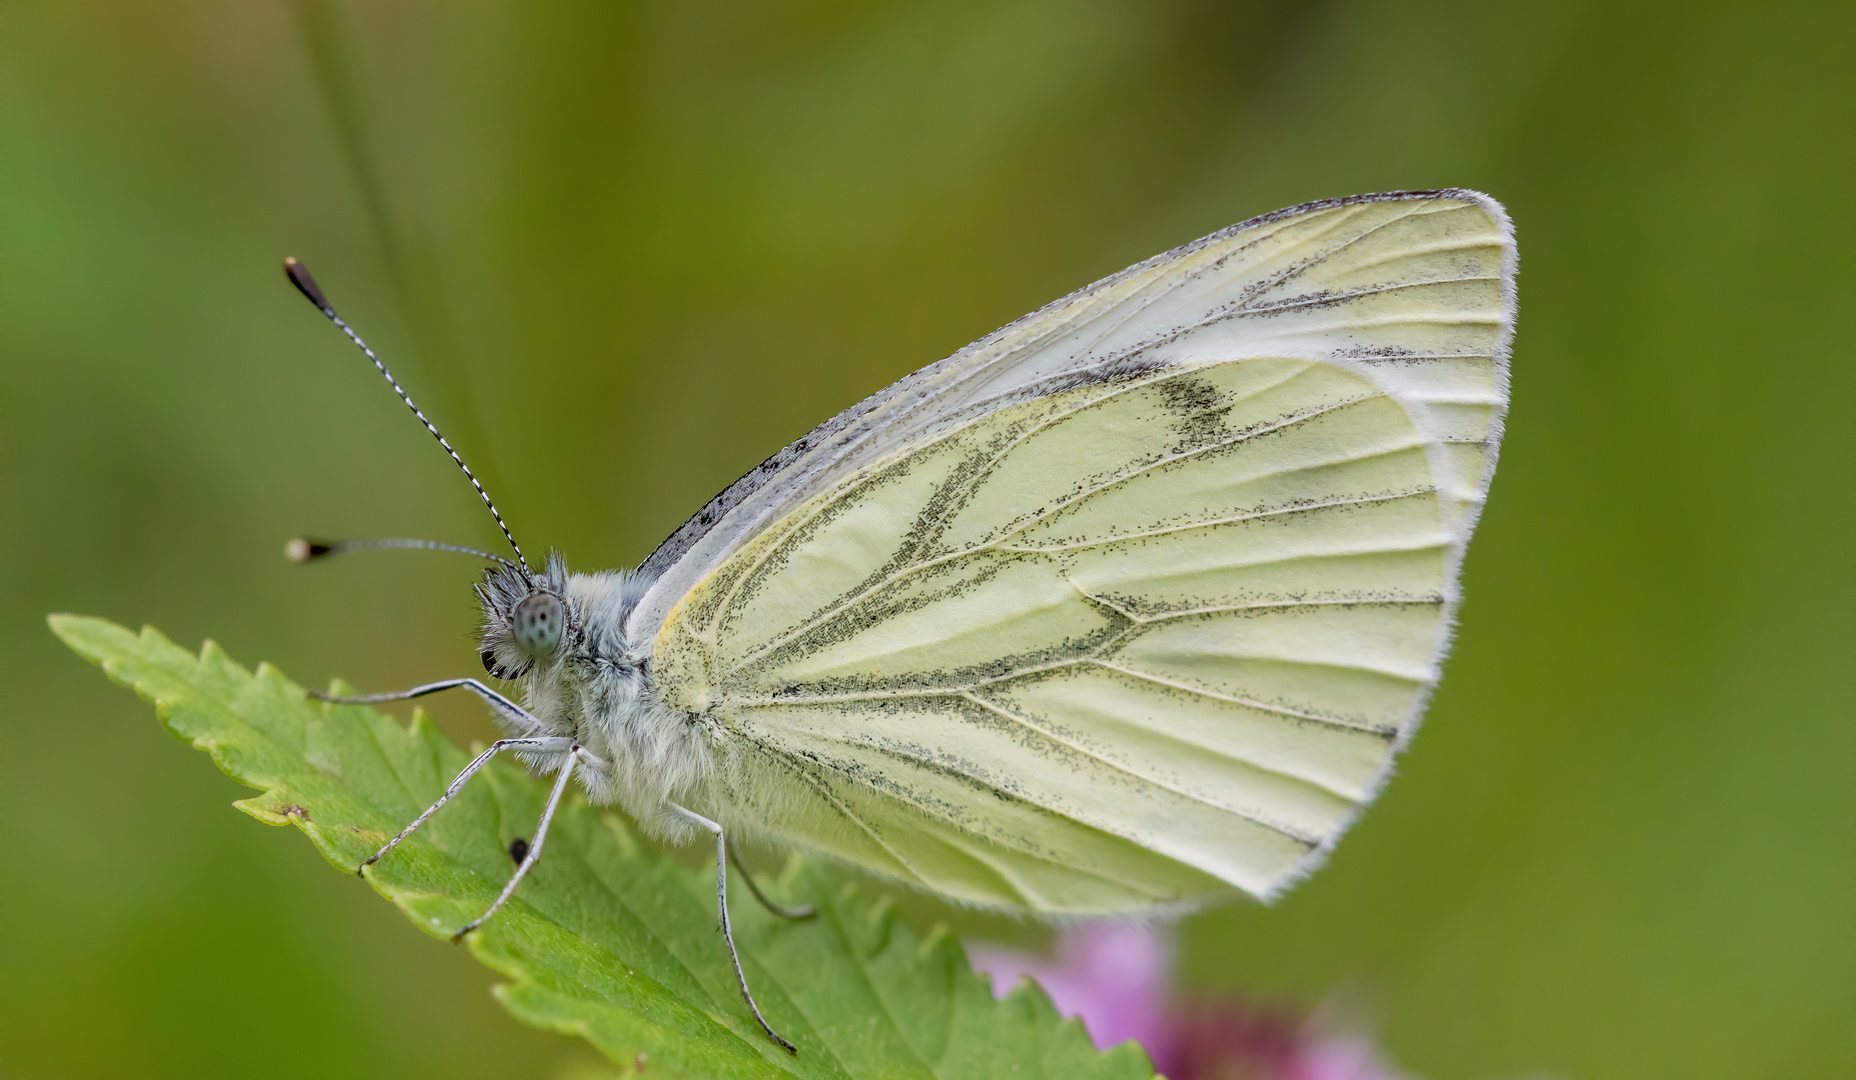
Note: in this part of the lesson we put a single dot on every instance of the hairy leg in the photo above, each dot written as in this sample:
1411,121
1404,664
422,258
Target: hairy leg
728,933
457,785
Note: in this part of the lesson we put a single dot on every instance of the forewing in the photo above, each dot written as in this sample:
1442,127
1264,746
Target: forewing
1417,283
1136,605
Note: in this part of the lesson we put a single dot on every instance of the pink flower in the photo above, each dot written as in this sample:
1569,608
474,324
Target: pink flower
1118,978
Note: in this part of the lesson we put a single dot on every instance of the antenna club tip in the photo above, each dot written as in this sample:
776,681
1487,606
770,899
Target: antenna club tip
299,550
305,284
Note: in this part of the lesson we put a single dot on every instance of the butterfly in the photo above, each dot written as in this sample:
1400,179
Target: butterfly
1123,609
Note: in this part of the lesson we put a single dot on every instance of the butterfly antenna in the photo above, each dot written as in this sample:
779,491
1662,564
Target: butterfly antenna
301,549
299,276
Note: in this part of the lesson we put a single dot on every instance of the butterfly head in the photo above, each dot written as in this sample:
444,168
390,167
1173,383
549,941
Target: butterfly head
528,619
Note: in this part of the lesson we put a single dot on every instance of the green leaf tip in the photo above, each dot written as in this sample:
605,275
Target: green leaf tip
607,938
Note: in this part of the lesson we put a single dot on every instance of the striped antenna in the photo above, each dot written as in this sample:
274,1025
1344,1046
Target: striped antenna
301,549
299,276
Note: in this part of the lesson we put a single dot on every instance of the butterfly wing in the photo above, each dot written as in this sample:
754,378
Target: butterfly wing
1131,602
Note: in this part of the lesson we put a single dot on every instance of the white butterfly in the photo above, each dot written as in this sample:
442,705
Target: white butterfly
1127,606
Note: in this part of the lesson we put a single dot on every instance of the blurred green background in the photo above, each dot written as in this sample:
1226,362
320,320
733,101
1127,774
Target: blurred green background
622,251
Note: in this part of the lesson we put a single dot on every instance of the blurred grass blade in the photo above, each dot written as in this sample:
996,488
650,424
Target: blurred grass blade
416,279
606,938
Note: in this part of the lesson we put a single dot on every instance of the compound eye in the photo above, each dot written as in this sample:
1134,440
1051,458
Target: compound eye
537,625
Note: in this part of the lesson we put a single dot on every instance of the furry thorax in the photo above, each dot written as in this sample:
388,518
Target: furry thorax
597,689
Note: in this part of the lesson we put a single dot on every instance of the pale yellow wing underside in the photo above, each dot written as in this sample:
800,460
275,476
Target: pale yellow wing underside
1145,616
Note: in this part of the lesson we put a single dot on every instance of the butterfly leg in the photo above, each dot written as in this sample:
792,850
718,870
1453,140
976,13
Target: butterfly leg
497,747
574,755
728,933
505,708
803,911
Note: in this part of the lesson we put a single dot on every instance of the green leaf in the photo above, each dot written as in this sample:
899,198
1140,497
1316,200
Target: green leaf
606,938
